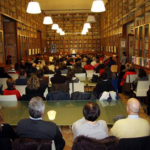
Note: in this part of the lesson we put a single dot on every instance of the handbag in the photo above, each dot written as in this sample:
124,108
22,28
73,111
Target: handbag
126,86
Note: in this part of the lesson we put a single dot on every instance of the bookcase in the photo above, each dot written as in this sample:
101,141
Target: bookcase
2,59
72,24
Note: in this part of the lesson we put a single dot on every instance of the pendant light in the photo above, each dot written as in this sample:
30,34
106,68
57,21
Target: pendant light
47,20
59,30
98,6
87,25
91,19
33,8
55,26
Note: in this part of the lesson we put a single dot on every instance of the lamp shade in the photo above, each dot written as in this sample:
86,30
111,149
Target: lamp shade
91,19
33,8
85,30
87,25
62,33
98,6
55,26
59,30
47,20
83,33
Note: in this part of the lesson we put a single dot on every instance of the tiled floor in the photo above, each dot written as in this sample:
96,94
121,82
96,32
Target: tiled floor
67,134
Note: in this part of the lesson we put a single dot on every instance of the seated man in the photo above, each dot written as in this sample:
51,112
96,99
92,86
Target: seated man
133,126
11,89
36,128
22,80
89,125
58,78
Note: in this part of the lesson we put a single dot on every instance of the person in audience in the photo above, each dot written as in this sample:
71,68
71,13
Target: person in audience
3,74
94,61
84,60
100,66
43,80
64,68
71,78
51,66
97,63
33,86
12,69
123,61
47,71
35,127
11,89
89,125
33,68
131,71
88,65
22,64
6,131
109,73
111,62
133,126
58,78
103,85
142,76
22,80
78,68
28,63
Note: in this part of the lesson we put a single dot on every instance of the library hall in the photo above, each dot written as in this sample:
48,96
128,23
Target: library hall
74,74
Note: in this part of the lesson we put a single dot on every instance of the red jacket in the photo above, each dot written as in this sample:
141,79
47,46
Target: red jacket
88,67
125,75
12,92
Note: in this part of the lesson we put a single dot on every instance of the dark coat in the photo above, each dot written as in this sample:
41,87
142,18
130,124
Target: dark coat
58,79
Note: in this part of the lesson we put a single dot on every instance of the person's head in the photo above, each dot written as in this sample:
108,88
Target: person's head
10,83
63,66
104,76
91,111
57,69
40,73
142,73
70,74
36,107
110,58
78,64
131,66
23,72
133,106
124,53
33,82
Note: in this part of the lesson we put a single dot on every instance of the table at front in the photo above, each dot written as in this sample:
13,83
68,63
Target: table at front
67,112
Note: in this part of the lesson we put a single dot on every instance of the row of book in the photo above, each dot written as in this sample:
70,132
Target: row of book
145,62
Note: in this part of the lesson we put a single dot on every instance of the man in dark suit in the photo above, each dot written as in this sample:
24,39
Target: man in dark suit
36,128
22,80
58,78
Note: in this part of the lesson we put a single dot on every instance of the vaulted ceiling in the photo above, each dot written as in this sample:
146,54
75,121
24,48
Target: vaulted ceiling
66,6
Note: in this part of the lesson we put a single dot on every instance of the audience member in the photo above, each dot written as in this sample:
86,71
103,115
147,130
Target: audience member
64,68
47,71
133,126
22,80
94,61
123,61
111,62
58,78
100,66
78,68
103,84
109,73
3,74
36,128
12,69
88,65
11,89
71,78
89,125
97,63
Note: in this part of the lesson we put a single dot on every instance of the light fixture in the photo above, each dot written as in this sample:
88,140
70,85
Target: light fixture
59,30
85,30
33,8
51,114
98,6
55,26
47,20
91,19
62,33
83,33
87,25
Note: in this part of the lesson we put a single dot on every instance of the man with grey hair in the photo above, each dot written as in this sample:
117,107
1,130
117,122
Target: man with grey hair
133,126
36,128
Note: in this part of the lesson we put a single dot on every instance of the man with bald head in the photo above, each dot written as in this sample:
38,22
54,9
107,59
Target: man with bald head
133,125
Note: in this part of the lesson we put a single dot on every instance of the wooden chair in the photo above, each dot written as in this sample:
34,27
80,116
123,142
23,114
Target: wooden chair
114,68
21,89
8,98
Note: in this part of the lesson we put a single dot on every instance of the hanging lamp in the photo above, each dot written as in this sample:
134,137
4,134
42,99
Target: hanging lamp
98,6
91,19
33,8
47,20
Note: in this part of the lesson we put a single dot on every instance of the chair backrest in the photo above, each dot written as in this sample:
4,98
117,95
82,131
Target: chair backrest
8,98
114,68
21,88
33,144
14,75
74,87
88,72
132,78
60,87
81,76
140,143
91,75
142,88
49,75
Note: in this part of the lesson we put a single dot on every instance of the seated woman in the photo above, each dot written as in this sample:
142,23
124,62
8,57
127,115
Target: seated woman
89,126
109,73
6,131
11,89
131,71
103,84
141,77
71,78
